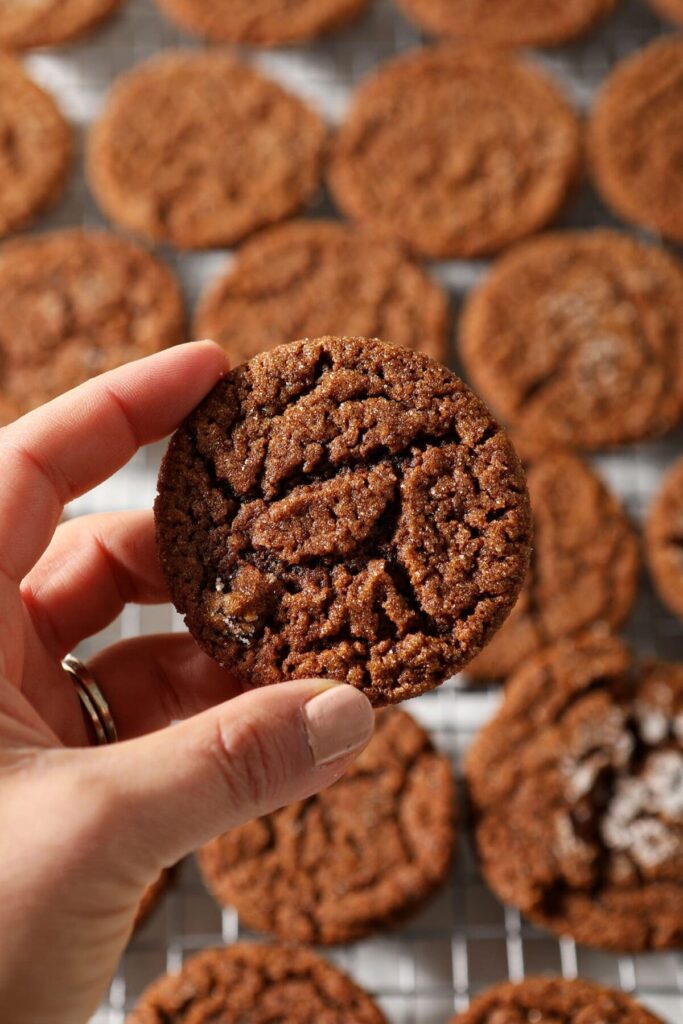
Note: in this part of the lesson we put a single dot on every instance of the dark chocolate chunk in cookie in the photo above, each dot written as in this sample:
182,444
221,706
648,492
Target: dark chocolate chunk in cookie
250,984
357,858
346,509
576,787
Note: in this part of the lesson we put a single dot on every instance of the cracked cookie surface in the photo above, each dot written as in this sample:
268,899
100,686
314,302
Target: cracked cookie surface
74,304
576,339
576,788
198,150
310,278
584,565
664,540
24,25
556,1000
35,148
345,509
457,150
635,136
252,984
359,857
262,22
509,22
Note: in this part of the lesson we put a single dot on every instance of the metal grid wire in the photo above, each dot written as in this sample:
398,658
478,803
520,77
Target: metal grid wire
465,940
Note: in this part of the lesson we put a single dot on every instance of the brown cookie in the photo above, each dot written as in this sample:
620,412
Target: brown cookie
357,858
584,565
576,339
556,1000
576,788
509,22
262,22
199,150
24,25
35,148
664,540
635,138
74,304
250,984
345,509
152,896
672,9
310,278
456,150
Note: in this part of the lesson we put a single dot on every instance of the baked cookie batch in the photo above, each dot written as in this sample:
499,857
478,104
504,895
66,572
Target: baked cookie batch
380,532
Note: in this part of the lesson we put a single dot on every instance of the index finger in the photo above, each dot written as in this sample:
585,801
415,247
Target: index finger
52,455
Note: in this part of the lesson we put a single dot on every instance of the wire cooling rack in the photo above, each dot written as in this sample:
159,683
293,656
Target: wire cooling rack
466,940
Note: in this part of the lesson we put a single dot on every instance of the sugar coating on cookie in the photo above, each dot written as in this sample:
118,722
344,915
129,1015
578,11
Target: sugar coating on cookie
24,25
576,787
584,566
457,150
346,509
357,858
197,149
74,304
635,138
576,339
559,1000
249,984
311,278
664,540
262,22
35,148
509,22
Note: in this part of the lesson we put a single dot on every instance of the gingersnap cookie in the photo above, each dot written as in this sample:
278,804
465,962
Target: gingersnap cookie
35,148
345,509
509,22
576,339
307,279
584,565
554,999
664,540
576,788
357,858
196,149
635,138
152,895
456,150
74,304
262,22
24,25
672,9
251,984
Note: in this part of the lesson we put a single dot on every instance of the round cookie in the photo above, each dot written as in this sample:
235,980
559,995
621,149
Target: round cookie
576,339
576,788
635,138
554,999
584,565
35,148
307,279
24,25
509,22
262,22
250,984
664,540
74,304
357,858
151,897
672,9
456,150
345,509
198,150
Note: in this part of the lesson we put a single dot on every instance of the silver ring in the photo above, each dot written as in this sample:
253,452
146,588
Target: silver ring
92,700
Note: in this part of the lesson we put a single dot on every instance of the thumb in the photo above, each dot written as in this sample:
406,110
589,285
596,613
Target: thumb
168,793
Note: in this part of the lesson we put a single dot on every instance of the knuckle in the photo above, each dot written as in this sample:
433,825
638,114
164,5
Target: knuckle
252,765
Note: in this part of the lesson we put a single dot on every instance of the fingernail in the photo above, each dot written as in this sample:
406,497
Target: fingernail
338,721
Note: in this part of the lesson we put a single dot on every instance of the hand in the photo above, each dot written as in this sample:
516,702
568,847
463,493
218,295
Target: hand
83,830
